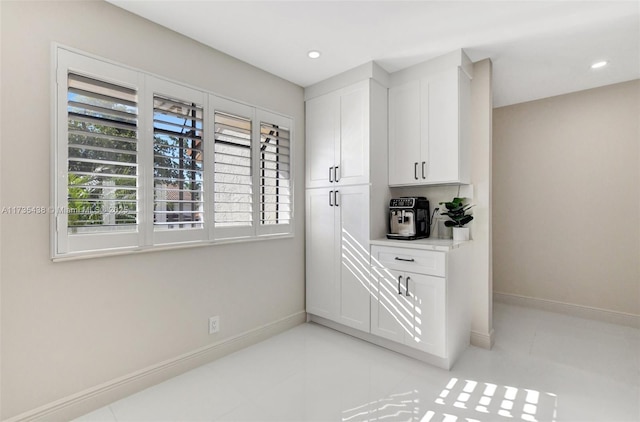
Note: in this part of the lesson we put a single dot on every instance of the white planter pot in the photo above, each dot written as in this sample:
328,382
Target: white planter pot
460,233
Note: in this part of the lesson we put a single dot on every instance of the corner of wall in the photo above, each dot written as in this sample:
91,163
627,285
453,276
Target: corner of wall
1,137
481,121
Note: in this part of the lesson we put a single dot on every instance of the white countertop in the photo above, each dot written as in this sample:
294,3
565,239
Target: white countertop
429,244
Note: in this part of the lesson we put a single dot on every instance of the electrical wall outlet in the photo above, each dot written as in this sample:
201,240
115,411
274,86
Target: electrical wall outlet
214,324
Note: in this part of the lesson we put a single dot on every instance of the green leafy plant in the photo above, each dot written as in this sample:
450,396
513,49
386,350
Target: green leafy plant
457,212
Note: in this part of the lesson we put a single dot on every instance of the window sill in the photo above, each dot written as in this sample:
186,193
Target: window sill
75,256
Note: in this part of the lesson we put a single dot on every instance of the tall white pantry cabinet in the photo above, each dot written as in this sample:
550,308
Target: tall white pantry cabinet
346,192
367,130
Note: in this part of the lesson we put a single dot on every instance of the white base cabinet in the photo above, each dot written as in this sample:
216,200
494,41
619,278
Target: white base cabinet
409,309
420,299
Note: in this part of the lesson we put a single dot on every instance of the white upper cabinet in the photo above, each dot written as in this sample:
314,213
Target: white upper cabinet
338,137
428,126
446,114
322,117
404,127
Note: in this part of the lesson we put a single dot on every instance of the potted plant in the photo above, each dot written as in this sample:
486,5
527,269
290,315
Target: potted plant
458,217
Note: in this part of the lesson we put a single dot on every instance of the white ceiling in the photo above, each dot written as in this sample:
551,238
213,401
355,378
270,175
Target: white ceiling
538,48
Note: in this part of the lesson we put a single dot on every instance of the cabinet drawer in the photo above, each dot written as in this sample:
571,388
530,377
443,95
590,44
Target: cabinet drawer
405,259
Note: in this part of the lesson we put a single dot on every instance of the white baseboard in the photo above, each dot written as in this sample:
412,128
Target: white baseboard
598,314
93,398
483,340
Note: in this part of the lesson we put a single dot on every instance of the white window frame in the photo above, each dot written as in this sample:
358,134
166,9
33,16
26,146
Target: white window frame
65,244
145,238
179,92
276,119
223,105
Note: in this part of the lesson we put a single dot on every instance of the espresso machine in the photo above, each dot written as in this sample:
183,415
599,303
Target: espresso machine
409,218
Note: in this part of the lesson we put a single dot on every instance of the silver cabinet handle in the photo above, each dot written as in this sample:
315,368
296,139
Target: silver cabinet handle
330,203
406,283
423,163
399,282
330,170
415,170
335,198
405,259
335,173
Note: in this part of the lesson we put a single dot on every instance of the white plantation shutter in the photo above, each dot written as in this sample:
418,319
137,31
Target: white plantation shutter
178,164
96,181
102,160
140,161
276,207
233,169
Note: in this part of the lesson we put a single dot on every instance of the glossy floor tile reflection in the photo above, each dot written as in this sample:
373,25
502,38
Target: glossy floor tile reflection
544,367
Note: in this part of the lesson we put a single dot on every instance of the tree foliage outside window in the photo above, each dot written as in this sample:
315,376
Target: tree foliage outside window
102,156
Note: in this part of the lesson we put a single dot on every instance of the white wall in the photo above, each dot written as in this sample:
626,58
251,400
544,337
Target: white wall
566,174
70,326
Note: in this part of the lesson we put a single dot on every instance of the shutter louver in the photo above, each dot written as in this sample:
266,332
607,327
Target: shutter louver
177,164
233,203
102,156
275,174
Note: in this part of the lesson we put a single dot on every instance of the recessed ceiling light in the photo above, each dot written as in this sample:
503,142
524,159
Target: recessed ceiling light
313,54
599,64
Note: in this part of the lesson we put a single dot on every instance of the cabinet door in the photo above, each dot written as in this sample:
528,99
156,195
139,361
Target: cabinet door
322,132
352,207
442,132
404,134
353,154
322,287
428,302
391,310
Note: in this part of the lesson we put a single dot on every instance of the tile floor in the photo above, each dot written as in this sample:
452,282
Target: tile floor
543,367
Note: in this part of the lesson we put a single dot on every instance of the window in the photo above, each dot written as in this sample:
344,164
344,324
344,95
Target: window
102,160
141,161
275,175
178,169
233,173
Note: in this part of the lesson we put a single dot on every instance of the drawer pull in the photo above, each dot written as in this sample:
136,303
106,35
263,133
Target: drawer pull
399,282
405,260
406,283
